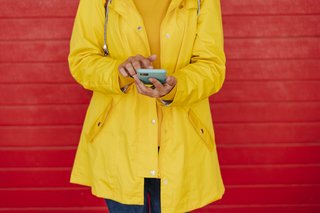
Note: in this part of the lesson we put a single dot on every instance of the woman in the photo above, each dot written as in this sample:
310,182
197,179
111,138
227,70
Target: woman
138,140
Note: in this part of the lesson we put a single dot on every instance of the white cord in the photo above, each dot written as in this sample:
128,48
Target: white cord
105,47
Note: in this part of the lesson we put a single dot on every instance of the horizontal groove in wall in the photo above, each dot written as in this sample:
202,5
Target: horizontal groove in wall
213,102
216,123
41,169
35,169
226,38
264,205
312,80
219,145
231,59
270,166
229,166
37,148
224,123
103,208
265,14
271,185
223,15
42,126
227,186
266,122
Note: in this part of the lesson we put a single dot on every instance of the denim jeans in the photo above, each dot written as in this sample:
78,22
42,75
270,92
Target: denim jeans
151,188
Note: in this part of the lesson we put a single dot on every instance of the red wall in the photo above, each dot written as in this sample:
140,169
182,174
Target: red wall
267,116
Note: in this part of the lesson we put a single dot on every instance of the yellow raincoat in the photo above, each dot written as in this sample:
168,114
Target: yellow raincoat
118,147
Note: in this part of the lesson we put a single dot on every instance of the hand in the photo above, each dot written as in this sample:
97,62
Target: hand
159,89
129,67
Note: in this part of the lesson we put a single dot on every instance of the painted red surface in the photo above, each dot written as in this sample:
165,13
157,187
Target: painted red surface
267,116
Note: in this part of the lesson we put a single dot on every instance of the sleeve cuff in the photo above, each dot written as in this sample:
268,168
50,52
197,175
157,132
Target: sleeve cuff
170,95
124,82
168,98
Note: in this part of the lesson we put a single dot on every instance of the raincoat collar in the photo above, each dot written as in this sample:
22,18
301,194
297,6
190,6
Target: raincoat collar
123,7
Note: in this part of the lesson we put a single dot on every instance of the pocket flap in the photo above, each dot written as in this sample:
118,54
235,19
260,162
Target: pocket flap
201,130
191,4
97,125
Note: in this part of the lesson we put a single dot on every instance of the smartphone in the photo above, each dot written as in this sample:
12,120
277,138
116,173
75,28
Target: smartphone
145,74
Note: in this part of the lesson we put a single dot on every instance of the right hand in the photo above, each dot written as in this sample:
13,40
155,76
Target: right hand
129,67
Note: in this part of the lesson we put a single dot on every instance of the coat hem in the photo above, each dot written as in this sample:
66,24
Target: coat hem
80,181
196,205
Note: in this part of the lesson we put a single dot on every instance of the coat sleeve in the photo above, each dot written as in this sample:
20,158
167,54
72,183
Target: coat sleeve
87,63
205,74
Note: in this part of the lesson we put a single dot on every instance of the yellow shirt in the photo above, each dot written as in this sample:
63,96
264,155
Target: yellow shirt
152,13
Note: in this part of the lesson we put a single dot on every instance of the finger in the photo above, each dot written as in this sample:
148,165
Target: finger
130,59
158,88
143,89
157,84
123,72
140,84
136,64
138,88
146,63
137,81
130,70
172,81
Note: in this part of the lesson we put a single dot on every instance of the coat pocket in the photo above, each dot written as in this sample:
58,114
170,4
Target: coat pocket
201,130
98,124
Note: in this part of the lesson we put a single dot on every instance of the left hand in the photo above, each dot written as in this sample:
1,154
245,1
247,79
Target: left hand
159,89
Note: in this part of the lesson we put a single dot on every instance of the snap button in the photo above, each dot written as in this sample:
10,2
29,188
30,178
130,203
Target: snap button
153,172
153,121
168,35
165,181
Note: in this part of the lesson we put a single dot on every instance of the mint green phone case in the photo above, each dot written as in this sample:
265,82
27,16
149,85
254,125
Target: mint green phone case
145,74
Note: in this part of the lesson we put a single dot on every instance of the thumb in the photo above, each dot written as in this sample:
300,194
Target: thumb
152,57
